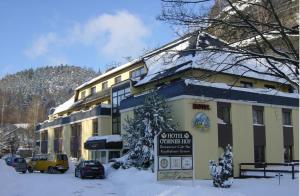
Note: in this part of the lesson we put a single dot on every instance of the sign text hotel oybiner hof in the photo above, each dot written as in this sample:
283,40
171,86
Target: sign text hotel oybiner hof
174,155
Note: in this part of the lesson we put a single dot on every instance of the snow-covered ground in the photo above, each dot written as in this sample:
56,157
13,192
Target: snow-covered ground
132,182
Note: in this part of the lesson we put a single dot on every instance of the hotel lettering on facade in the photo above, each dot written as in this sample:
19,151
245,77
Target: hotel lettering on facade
256,114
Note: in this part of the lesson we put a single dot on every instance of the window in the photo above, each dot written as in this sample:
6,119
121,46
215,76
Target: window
95,127
103,157
259,154
44,142
246,84
104,85
75,143
138,72
113,154
288,153
93,90
82,94
117,96
258,116
223,112
286,117
117,79
269,86
96,155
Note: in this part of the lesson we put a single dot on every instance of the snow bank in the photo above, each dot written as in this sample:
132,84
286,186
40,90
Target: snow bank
133,182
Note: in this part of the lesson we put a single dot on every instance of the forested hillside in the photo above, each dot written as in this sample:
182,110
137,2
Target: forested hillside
28,95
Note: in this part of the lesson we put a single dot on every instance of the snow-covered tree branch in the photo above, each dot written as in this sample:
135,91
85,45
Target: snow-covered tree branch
259,30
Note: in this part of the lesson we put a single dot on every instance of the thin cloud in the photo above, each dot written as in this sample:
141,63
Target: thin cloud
113,35
41,45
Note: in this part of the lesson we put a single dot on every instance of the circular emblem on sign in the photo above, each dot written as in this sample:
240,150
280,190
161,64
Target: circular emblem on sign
201,121
186,136
164,163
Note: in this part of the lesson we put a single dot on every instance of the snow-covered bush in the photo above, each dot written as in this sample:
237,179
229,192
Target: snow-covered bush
149,119
221,172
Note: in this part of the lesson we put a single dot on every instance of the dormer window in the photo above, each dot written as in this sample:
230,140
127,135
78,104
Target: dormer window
104,85
138,72
246,84
93,90
82,94
269,86
117,79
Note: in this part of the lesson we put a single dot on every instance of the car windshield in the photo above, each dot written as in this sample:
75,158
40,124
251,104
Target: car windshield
62,157
91,163
19,160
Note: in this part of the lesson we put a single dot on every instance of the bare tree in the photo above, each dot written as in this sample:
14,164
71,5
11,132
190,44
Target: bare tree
265,31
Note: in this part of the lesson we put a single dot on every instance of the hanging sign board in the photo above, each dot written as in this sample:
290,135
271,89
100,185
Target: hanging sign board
174,155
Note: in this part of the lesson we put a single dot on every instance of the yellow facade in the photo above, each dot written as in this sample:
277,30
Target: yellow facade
242,135
206,142
274,135
67,139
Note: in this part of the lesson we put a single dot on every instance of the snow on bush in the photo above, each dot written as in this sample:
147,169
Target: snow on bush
221,172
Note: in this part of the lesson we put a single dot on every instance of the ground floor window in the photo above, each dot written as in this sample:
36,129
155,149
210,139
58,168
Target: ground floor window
104,155
259,154
75,143
288,153
113,154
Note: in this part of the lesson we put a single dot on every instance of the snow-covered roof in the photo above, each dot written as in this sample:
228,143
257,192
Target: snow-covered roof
252,40
252,90
22,125
240,6
108,73
206,60
65,106
108,138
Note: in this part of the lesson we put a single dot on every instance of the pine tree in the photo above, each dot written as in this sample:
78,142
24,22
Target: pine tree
149,119
221,173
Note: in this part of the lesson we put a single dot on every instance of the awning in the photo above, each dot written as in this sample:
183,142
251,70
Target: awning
104,142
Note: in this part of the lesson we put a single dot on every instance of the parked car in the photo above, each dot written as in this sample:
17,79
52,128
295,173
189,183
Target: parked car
50,163
90,168
9,159
19,164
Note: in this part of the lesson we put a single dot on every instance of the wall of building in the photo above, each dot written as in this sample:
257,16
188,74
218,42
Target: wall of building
105,125
206,142
242,135
274,134
87,131
66,139
50,140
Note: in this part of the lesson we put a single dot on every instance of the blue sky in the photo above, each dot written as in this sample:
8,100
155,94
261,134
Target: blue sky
90,33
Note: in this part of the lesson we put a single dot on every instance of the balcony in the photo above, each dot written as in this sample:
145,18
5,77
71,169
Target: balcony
97,111
94,97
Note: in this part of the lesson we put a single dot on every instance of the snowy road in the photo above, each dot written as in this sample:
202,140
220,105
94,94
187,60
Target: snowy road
131,182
